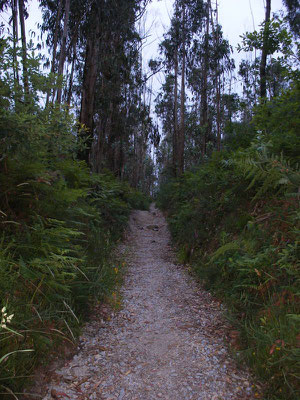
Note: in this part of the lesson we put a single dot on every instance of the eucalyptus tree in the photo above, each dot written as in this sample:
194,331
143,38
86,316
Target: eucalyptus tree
18,9
164,108
209,62
265,51
293,15
176,50
63,21
22,15
12,6
62,56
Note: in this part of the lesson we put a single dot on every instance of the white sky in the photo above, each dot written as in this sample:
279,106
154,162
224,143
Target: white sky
235,16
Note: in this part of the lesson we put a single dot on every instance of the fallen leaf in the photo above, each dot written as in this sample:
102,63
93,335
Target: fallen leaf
58,395
98,384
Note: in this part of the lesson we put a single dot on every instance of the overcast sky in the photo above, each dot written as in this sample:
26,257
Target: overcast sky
235,16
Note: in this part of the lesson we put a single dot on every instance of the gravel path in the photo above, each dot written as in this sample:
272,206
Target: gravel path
167,342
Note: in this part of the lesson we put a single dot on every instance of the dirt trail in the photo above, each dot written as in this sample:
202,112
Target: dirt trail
168,340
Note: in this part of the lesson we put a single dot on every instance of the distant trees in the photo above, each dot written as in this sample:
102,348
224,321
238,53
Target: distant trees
194,51
293,16
205,111
95,64
94,60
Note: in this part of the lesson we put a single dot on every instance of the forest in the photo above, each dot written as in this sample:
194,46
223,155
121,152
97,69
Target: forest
84,141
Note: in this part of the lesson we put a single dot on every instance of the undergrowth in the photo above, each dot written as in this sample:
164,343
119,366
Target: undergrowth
59,223
236,221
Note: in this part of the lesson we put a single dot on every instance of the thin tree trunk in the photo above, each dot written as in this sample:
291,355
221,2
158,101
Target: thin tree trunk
14,7
218,105
175,116
88,89
57,21
204,105
62,56
264,54
24,55
55,40
181,135
69,94
175,131
217,77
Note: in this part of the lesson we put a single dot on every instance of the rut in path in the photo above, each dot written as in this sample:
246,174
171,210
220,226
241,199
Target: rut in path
168,340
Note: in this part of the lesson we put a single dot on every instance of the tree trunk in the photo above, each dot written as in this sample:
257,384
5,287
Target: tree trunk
217,77
181,135
14,7
204,105
55,40
24,55
264,54
62,56
218,105
175,131
69,93
88,89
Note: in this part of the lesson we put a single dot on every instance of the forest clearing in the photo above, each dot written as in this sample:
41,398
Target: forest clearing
149,204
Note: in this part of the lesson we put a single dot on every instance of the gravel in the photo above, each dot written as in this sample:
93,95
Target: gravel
169,340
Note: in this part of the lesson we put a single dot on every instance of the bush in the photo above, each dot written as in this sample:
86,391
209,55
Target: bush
58,223
236,220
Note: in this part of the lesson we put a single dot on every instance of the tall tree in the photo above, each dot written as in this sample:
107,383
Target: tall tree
175,111
176,49
265,52
14,7
204,94
22,13
181,132
62,56
89,82
293,7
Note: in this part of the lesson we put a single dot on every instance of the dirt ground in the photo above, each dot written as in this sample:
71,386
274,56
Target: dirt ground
168,341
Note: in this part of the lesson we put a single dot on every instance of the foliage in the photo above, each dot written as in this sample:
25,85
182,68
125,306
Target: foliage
282,116
279,39
236,220
59,223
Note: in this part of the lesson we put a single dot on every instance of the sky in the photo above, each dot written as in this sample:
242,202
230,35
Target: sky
235,16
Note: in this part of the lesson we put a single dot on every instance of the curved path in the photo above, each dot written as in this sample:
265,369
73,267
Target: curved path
167,342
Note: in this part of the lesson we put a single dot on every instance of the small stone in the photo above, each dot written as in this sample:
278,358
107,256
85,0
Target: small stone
122,394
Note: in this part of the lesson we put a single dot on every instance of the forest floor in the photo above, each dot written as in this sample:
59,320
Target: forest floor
168,340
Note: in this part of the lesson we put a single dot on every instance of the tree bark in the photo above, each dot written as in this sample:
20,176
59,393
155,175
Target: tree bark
204,105
181,136
57,21
55,40
24,52
14,7
88,90
217,77
62,56
264,54
69,94
175,130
